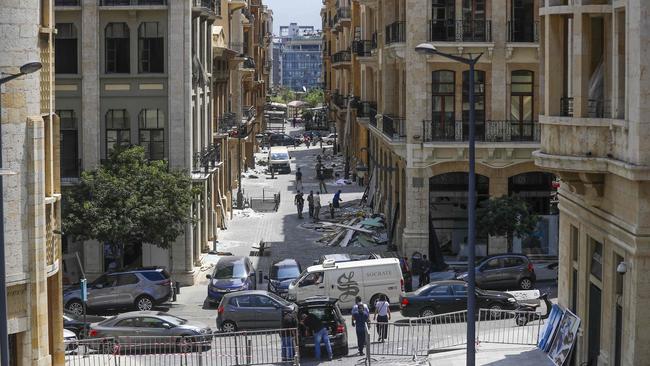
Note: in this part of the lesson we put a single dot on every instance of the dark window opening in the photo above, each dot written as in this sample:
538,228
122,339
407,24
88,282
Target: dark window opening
117,48
442,102
118,130
69,151
152,133
65,46
151,54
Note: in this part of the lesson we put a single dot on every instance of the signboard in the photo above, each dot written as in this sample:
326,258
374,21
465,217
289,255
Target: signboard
84,290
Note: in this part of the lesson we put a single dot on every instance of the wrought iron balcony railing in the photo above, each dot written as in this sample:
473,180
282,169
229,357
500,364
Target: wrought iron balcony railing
227,123
396,32
365,109
363,48
372,111
596,108
207,158
520,31
342,56
343,13
451,30
132,2
486,131
394,127
248,112
66,2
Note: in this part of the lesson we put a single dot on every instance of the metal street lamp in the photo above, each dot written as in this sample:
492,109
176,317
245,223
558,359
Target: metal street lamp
429,49
4,334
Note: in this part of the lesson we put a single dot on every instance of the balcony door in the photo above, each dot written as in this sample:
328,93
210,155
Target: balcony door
521,104
479,103
442,102
474,21
522,21
69,148
443,23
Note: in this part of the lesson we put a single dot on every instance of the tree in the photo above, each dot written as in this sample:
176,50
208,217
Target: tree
129,200
507,216
315,97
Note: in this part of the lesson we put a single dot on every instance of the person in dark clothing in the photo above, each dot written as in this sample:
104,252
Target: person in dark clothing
298,180
310,203
299,201
425,270
321,178
289,322
408,277
337,199
293,122
316,327
360,316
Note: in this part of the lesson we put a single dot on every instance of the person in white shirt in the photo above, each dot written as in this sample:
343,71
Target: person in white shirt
316,207
382,315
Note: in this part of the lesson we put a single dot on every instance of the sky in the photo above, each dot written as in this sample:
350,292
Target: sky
303,12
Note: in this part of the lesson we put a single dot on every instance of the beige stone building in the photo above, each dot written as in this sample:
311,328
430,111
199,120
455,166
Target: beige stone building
31,189
595,133
410,124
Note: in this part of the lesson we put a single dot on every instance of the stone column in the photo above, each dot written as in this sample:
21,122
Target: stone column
499,77
92,123
554,49
581,36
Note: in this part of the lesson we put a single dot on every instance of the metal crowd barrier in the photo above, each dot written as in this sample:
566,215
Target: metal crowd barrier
278,346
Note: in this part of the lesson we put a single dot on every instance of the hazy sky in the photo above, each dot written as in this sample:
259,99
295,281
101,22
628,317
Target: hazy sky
303,12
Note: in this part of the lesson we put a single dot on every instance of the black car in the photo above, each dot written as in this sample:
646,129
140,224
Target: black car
449,296
327,310
76,323
508,271
281,274
282,140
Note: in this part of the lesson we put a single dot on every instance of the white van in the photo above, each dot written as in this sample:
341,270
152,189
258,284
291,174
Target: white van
344,281
279,159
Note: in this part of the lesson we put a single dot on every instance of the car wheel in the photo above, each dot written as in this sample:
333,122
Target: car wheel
144,303
525,284
427,312
228,326
496,311
184,344
521,319
76,307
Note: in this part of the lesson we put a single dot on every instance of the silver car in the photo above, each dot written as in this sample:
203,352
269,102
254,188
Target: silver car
149,330
254,309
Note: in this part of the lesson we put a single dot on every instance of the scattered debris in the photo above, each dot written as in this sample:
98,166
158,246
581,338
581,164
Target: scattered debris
247,212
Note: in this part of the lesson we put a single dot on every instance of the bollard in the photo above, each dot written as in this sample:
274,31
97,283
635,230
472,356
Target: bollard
174,291
261,277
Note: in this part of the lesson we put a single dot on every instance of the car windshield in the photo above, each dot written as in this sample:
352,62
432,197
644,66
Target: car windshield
282,273
279,299
173,320
303,274
279,156
230,270
422,289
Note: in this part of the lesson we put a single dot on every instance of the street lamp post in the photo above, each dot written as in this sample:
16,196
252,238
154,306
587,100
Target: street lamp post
4,333
429,49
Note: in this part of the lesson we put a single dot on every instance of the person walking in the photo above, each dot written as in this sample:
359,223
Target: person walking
408,276
299,201
310,204
293,122
425,268
289,324
360,317
316,207
298,180
382,316
316,327
337,199
320,175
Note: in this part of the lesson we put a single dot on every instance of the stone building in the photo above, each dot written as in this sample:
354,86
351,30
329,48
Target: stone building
595,134
132,72
31,191
300,57
403,117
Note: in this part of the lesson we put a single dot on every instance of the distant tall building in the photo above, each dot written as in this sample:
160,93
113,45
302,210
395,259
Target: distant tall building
299,50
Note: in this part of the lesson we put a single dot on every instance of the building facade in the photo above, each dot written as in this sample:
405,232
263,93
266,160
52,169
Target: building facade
300,57
136,73
31,195
403,117
594,136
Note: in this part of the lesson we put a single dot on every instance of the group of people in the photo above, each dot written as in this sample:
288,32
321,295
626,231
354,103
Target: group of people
313,199
312,325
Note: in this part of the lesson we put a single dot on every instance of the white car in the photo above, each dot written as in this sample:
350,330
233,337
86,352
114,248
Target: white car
329,139
71,342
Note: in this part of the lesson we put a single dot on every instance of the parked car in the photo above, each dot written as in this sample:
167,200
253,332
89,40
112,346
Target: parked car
76,323
330,139
281,274
255,309
141,288
279,159
70,341
449,296
282,140
313,134
158,331
231,274
327,310
504,271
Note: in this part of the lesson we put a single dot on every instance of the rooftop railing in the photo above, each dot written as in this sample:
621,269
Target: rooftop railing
132,2
394,127
520,31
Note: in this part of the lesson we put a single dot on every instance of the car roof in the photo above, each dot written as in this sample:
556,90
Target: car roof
131,270
285,262
337,256
246,292
140,313
230,259
491,256
356,264
317,300
448,282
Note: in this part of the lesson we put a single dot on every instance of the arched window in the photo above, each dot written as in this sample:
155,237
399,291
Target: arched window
152,133
117,48
443,91
65,44
151,55
118,129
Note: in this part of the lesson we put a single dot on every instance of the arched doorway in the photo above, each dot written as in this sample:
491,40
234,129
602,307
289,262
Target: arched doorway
536,188
448,215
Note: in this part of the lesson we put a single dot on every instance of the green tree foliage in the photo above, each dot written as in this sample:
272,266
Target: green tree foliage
315,97
129,200
284,96
307,115
507,216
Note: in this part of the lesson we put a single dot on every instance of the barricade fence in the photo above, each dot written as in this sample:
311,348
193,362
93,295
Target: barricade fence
238,348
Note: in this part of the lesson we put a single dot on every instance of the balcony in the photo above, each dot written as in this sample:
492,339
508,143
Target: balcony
342,58
363,48
66,3
70,170
208,158
596,108
209,6
394,127
396,32
526,32
248,112
227,123
451,30
343,15
132,2
340,100
367,110
488,131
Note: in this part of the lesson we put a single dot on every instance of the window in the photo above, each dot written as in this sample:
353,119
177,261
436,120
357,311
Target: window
312,279
241,301
117,48
264,302
153,276
118,131
460,290
65,45
512,262
597,259
151,323
443,25
492,264
440,291
152,133
226,270
521,97
479,103
151,54
69,153
474,23
128,322
523,23
443,94
127,279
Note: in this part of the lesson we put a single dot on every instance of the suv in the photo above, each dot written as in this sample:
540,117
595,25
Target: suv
504,271
140,288
328,311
